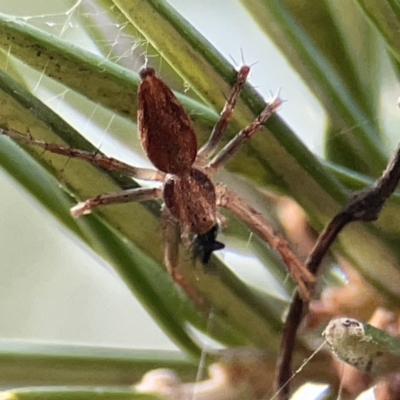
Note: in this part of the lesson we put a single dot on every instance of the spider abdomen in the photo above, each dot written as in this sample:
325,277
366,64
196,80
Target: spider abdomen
192,201
165,128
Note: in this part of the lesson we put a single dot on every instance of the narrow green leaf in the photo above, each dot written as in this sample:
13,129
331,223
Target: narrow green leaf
22,363
95,77
312,43
385,16
71,393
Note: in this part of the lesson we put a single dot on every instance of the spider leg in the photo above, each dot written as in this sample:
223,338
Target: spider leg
171,237
126,196
226,115
96,159
237,142
262,228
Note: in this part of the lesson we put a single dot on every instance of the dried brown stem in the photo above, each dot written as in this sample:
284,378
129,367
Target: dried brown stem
363,206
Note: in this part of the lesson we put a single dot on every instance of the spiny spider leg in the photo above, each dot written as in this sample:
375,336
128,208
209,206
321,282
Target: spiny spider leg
171,238
262,228
108,163
226,115
237,142
126,196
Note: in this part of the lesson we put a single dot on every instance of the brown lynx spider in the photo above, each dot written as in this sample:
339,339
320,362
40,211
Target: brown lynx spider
185,174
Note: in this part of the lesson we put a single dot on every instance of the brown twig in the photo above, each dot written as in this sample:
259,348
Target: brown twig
363,206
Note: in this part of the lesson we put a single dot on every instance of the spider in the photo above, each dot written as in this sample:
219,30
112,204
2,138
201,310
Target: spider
184,174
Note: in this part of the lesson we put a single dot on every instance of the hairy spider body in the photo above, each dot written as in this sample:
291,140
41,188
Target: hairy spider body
185,174
165,129
169,140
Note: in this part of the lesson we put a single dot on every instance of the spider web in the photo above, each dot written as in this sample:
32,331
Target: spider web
90,27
